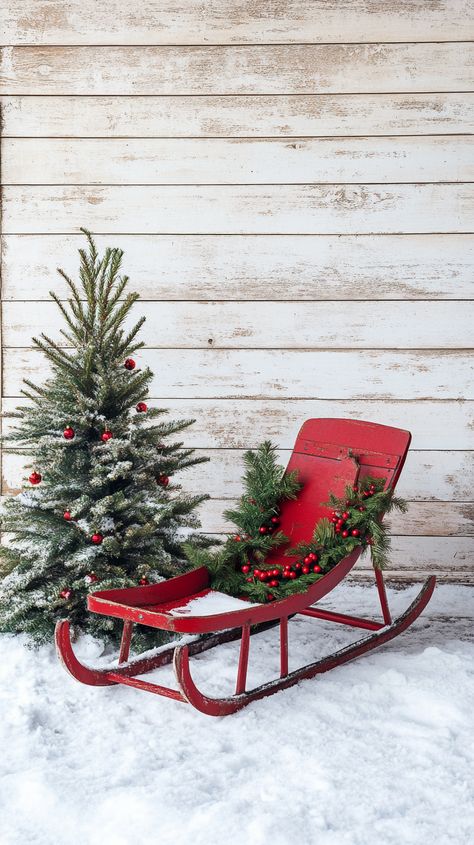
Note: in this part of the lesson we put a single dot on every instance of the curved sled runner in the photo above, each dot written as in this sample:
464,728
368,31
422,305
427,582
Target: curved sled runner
329,455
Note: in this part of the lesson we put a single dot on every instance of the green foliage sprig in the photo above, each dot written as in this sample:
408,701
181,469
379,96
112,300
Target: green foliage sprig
256,518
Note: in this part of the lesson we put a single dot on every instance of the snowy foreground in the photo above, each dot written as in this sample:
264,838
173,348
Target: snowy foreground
378,752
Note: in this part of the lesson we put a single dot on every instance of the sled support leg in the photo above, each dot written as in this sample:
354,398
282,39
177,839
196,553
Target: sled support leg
243,660
283,646
125,642
387,616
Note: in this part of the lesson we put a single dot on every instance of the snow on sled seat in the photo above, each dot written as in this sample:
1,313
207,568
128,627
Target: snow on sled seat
329,454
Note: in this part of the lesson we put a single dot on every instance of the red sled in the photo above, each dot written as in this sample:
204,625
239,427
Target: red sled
329,454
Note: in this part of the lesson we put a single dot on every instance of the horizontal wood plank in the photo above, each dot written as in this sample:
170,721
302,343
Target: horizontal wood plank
267,325
244,423
432,519
427,476
256,267
245,373
254,116
238,209
184,161
234,21
295,69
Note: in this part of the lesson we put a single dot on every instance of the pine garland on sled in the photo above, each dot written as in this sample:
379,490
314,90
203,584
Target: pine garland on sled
240,567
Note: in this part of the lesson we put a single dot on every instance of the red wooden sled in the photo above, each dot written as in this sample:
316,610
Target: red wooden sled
329,454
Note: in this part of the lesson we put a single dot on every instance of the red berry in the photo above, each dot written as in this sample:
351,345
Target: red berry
237,538
129,364
337,529
275,520
345,515
355,532
35,477
91,578
262,576
256,572
141,407
305,570
270,597
69,433
249,580
245,568
369,541
316,568
163,480
97,539
362,509
292,574
144,581
344,533
276,573
273,583
298,565
355,488
67,515
66,593
107,435
307,559
263,529
312,556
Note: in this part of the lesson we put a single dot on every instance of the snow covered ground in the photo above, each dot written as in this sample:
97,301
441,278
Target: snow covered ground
378,752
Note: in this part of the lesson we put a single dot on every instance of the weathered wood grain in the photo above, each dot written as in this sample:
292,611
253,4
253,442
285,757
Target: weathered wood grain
270,325
244,423
257,267
449,558
184,161
253,116
431,519
284,374
240,209
427,476
233,21
294,69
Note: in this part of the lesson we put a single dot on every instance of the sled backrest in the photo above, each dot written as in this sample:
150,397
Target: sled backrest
330,454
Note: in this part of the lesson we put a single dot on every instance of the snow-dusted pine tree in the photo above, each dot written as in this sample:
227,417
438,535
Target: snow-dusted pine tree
99,508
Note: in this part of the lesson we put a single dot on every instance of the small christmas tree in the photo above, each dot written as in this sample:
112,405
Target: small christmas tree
99,510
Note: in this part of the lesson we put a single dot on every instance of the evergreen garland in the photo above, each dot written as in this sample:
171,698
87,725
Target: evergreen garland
239,567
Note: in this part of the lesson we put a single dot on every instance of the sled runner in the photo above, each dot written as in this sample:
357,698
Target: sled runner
329,454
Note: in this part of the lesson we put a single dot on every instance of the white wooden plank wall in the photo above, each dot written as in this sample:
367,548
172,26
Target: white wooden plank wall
292,182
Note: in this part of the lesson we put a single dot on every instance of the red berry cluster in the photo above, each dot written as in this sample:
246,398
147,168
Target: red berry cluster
340,518
287,572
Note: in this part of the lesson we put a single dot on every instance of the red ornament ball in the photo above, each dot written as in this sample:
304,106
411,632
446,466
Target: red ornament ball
91,578
129,364
141,407
69,433
35,477
66,593
163,480
106,435
96,539
67,515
